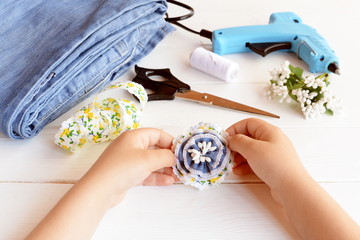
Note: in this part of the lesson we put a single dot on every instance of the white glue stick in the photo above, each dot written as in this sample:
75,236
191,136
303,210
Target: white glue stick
215,65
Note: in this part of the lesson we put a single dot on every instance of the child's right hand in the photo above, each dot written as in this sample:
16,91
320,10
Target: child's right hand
264,149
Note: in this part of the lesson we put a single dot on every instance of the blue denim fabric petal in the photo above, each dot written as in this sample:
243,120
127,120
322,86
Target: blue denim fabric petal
205,170
54,54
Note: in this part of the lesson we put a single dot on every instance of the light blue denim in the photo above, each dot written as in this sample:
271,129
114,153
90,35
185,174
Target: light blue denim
54,53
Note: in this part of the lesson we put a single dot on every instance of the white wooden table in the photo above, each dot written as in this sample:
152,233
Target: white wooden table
35,173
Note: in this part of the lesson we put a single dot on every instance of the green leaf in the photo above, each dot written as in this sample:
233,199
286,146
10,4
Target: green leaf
273,81
291,67
324,75
289,85
298,85
329,112
297,71
318,97
293,96
293,79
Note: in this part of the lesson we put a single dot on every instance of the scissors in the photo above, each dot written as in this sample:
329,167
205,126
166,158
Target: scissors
172,87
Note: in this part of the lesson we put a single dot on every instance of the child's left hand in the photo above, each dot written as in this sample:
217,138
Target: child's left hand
140,156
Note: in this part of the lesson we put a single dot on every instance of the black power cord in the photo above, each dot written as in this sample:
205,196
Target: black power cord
175,20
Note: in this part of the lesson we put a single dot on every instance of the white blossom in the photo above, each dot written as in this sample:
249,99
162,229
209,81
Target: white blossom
310,81
281,73
333,103
199,156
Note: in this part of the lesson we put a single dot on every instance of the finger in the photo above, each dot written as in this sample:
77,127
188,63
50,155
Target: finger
168,171
242,169
256,128
148,137
158,179
244,145
239,159
159,158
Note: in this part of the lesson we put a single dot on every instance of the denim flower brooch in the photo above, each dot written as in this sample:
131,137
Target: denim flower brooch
203,159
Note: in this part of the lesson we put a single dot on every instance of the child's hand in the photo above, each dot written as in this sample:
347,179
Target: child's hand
136,157
264,149
141,156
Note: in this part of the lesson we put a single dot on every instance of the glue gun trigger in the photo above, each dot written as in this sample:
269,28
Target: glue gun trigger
265,48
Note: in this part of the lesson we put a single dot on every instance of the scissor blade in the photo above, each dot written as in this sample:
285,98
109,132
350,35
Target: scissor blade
206,98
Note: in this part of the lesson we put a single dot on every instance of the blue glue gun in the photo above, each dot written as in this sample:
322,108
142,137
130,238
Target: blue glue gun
285,31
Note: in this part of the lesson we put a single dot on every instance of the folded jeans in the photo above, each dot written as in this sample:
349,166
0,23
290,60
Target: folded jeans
56,53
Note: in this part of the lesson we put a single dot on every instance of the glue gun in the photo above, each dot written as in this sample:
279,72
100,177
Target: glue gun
285,31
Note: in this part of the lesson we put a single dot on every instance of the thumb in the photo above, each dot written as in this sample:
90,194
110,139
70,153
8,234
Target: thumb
160,158
243,144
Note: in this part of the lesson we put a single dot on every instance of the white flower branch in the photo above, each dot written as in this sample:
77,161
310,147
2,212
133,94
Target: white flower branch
312,93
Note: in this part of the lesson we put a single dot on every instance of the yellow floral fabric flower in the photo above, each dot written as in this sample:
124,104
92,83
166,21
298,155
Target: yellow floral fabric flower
102,121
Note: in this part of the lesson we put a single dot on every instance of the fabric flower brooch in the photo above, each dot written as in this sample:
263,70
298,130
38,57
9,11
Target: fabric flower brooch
203,159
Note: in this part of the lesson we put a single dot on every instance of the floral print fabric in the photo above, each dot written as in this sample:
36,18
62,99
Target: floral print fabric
203,159
104,120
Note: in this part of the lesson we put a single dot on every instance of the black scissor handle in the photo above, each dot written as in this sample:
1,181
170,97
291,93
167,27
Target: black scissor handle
162,90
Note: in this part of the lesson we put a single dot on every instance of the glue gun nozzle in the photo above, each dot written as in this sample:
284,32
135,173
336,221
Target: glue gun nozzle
334,68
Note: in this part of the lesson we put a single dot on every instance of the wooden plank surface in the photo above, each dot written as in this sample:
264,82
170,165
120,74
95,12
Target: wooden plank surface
232,211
